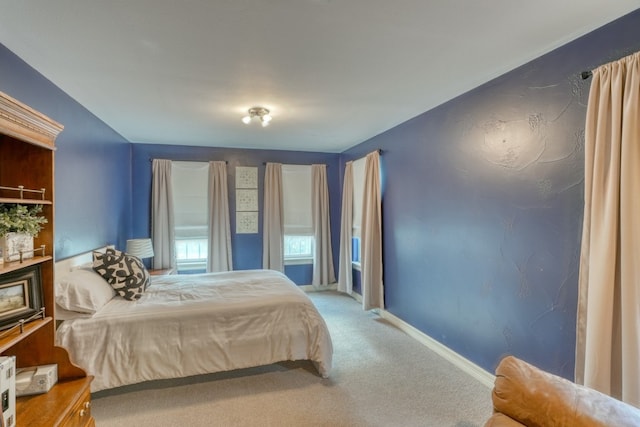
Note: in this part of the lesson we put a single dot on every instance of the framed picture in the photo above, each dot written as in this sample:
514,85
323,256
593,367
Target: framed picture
20,295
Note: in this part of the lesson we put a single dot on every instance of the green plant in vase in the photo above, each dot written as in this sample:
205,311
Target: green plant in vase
18,225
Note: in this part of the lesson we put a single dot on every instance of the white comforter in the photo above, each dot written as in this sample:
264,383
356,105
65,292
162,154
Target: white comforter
195,324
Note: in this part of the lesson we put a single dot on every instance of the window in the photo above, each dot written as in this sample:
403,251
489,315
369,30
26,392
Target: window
298,247
355,250
190,181
358,196
298,226
191,254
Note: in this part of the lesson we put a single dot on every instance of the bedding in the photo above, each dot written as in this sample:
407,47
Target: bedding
83,291
185,325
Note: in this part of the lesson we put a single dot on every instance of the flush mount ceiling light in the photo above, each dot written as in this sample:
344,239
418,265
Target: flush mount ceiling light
260,113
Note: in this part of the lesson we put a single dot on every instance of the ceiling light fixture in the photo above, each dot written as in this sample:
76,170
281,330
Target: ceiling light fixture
259,112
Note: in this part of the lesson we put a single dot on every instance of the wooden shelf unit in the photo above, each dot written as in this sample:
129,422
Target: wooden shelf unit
25,201
27,148
6,267
9,339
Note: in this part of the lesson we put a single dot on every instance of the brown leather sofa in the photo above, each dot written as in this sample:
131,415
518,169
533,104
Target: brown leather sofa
524,395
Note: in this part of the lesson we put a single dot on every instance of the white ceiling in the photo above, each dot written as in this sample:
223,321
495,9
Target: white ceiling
333,72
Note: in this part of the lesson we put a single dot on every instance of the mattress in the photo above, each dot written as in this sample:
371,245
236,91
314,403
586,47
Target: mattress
195,324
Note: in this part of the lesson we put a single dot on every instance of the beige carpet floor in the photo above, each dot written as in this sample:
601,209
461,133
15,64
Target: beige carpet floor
380,377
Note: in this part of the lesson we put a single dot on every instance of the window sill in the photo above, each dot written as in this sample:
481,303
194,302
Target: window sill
298,261
191,267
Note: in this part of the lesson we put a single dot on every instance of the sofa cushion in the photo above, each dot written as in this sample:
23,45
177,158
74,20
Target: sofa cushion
537,398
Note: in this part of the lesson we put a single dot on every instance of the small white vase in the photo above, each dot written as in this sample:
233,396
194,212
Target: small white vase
13,243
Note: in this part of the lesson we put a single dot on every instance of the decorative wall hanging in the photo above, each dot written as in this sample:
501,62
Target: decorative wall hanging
246,200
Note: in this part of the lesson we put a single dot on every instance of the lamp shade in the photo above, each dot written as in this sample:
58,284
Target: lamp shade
141,248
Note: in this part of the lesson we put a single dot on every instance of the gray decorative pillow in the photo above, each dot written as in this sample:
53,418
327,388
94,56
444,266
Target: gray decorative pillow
125,273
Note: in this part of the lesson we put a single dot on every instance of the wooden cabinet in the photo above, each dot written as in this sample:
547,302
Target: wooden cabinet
68,404
27,148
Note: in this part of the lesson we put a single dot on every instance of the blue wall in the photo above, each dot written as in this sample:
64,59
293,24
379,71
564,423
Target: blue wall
483,205
92,173
247,248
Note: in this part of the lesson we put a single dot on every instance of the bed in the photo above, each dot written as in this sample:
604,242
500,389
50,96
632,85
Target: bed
185,325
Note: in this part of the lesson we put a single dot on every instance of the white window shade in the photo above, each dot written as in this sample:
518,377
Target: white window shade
358,194
296,199
190,181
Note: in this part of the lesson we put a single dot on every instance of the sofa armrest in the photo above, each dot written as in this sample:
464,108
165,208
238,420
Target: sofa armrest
537,398
501,420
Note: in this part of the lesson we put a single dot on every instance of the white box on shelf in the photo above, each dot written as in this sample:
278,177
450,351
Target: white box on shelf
36,379
8,390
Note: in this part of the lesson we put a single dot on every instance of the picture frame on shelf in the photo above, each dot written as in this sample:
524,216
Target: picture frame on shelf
20,296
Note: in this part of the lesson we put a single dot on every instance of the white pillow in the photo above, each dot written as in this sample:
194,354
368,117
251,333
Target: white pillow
83,290
62,314
85,266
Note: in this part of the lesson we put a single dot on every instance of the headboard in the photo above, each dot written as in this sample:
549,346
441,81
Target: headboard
64,266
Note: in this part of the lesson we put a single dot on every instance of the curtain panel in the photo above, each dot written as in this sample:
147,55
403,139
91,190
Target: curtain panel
323,272
273,219
608,320
162,218
371,236
219,253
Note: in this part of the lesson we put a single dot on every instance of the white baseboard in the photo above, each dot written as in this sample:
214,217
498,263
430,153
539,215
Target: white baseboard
466,365
485,378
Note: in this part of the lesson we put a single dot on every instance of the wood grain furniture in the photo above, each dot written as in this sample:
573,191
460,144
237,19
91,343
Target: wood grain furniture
27,146
162,271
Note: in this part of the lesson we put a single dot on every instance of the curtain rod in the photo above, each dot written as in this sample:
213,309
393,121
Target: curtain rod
151,159
297,164
379,150
586,74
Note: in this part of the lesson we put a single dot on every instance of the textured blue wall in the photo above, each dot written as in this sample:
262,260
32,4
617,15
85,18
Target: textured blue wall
482,207
247,248
92,163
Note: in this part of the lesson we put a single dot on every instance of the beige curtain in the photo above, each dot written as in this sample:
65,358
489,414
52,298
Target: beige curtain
608,323
345,274
323,272
162,231
273,219
219,256
371,235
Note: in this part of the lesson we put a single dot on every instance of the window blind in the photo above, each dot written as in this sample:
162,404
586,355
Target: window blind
296,200
358,194
190,182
